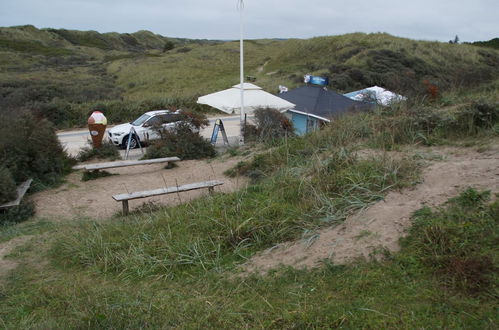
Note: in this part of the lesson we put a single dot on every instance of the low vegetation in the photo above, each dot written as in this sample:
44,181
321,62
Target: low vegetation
184,141
93,175
29,149
180,266
270,125
385,129
69,73
17,214
456,243
415,288
106,151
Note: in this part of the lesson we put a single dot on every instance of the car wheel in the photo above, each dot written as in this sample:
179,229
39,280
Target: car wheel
133,142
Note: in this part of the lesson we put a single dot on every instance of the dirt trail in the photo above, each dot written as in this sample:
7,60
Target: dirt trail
381,225
6,265
94,198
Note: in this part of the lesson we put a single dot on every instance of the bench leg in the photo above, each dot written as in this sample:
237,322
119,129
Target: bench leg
125,207
211,190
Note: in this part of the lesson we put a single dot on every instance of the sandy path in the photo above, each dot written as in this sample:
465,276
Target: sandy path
386,221
94,198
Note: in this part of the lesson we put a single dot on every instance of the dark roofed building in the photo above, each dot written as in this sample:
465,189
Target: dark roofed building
315,105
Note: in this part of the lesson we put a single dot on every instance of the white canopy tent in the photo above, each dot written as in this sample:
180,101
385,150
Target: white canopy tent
229,100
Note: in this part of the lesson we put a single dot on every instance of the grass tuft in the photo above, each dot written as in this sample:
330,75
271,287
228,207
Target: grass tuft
457,243
106,151
96,174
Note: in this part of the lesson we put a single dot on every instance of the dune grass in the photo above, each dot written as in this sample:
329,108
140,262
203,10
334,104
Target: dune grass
407,290
178,266
131,71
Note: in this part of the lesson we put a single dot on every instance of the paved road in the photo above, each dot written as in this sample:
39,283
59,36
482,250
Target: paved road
74,140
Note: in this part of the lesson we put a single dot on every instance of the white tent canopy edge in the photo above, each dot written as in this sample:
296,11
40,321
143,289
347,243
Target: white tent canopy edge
229,100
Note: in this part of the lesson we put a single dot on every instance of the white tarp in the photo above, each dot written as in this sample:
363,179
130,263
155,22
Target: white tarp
380,95
229,100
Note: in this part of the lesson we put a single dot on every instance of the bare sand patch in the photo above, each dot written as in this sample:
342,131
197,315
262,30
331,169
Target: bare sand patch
381,225
94,199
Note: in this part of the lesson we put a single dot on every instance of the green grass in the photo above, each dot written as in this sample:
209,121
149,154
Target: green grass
214,232
18,213
404,291
457,243
94,175
106,151
130,74
33,47
178,266
38,226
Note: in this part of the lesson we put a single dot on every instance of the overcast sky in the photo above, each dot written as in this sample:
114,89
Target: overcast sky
219,19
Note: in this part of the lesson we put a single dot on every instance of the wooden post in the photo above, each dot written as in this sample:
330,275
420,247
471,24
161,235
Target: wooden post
125,206
211,190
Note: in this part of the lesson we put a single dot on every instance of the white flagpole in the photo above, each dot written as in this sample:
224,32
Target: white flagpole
241,66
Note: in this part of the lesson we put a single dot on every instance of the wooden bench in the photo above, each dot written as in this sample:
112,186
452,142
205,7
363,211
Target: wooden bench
124,198
123,163
21,191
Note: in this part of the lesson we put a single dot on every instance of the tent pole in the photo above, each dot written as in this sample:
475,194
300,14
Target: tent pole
241,66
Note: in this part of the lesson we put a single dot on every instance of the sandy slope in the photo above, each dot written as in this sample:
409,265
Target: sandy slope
381,225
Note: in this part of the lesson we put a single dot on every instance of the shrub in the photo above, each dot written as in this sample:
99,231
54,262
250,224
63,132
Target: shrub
184,50
250,133
106,151
196,119
181,142
17,214
7,185
169,45
93,175
29,148
271,125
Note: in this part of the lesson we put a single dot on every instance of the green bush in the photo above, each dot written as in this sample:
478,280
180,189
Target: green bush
181,142
7,185
169,45
272,125
93,175
106,151
29,148
17,214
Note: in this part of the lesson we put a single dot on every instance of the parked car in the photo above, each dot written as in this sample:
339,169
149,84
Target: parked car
147,127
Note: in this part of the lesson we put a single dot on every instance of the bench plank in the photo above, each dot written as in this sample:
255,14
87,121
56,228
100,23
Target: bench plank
167,190
123,163
21,191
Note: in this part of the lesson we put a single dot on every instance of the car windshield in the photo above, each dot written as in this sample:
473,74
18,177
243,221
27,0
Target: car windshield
139,121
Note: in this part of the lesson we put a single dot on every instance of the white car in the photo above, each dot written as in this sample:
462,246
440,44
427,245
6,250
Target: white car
146,128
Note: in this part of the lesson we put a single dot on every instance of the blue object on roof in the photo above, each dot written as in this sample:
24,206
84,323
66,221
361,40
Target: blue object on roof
316,80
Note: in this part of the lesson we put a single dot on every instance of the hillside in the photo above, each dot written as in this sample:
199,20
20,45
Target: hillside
492,43
385,219
31,40
61,74
333,196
